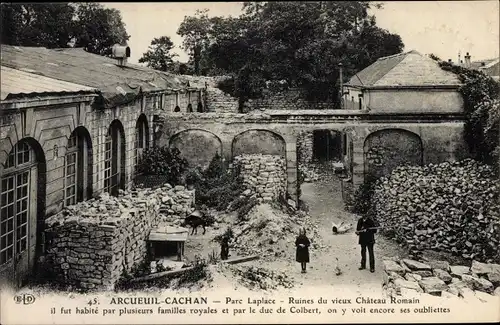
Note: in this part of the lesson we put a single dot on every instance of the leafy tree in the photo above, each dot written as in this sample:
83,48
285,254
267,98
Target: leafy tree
50,24
195,30
158,55
98,28
53,25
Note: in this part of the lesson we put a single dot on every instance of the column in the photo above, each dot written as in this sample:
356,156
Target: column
291,167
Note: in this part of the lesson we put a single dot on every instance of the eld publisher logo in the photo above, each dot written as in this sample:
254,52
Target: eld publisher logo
25,299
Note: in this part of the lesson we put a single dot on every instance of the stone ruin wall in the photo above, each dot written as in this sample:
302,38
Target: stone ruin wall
264,176
305,143
290,99
92,244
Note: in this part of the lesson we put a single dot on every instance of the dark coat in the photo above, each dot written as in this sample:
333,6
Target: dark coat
367,237
302,255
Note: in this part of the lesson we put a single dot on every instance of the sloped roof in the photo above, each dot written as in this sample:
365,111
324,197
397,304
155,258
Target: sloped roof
16,83
483,63
117,84
403,69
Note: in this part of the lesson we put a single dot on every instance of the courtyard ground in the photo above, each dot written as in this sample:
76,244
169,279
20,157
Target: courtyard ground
324,199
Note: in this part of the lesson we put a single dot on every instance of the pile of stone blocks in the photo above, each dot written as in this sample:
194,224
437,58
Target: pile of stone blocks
408,277
94,243
264,176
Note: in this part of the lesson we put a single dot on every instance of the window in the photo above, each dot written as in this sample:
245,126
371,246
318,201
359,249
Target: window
114,159
141,139
15,199
72,155
108,164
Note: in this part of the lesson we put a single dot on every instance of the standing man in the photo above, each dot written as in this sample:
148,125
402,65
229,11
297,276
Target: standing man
366,230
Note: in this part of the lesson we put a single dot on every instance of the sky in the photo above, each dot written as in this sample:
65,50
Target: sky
443,28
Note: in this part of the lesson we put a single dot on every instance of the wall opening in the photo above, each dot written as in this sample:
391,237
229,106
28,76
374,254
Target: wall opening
78,167
141,140
327,145
22,212
114,163
387,149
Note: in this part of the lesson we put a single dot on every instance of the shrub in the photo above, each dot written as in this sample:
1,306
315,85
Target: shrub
363,196
243,211
163,161
218,186
227,85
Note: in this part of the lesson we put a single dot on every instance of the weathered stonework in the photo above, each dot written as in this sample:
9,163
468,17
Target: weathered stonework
263,175
289,99
305,142
92,244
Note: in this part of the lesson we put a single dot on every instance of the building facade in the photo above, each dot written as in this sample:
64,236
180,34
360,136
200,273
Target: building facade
73,126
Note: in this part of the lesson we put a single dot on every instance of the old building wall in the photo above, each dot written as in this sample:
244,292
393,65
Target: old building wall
441,140
414,101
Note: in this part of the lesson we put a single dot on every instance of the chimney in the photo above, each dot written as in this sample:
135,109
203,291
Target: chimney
449,61
467,61
121,53
459,62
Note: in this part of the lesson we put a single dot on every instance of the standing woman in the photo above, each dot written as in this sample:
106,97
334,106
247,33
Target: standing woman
302,243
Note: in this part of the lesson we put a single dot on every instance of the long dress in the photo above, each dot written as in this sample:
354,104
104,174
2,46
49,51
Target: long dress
302,254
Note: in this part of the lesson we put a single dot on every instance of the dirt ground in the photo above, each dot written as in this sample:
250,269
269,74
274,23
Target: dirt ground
324,199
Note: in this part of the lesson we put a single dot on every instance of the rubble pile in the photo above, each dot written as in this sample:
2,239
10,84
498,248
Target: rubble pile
438,278
270,232
263,175
309,173
93,243
451,207
259,278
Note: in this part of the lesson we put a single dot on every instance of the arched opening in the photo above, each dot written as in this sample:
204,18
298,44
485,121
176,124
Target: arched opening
189,108
114,159
22,210
78,170
387,149
200,107
198,147
327,145
141,139
258,142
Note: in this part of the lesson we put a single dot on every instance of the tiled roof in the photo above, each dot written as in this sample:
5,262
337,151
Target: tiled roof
118,84
404,69
15,83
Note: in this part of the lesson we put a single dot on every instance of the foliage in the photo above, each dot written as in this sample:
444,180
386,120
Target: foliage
363,196
199,272
163,161
194,30
217,186
301,43
482,111
56,25
245,208
158,56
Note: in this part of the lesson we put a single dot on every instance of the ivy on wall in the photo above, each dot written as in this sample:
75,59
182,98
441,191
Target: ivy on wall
482,111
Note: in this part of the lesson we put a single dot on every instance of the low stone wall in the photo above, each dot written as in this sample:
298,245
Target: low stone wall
409,277
92,244
263,175
218,101
290,99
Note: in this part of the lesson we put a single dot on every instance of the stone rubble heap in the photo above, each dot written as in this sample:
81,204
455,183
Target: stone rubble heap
93,243
270,233
438,278
259,278
450,207
263,175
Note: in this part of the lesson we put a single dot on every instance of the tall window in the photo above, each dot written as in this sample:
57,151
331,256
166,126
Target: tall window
108,164
141,139
71,171
114,159
15,199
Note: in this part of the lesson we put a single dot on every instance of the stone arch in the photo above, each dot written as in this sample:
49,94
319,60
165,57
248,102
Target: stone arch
387,149
141,142
22,206
114,160
78,167
198,146
258,141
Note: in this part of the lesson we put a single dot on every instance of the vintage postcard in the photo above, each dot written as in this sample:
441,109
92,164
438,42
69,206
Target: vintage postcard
250,162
